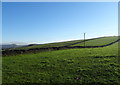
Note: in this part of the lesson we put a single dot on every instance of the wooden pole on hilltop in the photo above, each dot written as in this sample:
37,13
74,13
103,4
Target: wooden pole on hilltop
84,39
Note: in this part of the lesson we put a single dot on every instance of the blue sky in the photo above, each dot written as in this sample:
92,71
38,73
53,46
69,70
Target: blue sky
45,22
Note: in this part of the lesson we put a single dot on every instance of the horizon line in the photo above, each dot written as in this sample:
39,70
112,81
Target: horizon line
22,43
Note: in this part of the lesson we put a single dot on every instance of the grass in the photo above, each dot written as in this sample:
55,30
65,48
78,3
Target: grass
92,66
98,42
95,42
59,44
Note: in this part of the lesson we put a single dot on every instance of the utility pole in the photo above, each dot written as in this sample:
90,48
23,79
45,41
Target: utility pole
84,39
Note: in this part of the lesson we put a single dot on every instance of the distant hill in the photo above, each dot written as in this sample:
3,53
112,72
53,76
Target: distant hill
7,46
88,42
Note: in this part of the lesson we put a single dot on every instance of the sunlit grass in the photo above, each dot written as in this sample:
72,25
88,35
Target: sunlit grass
98,42
86,65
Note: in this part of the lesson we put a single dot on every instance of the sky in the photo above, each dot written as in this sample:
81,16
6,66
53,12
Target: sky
47,22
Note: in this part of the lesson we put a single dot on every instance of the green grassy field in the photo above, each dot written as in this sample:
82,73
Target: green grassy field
97,42
59,44
91,66
94,42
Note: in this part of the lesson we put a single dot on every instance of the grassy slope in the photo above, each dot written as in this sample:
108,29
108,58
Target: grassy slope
98,42
59,44
88,65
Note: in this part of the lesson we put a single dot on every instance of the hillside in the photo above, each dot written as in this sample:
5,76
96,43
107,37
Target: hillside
89,43
97,42
91,66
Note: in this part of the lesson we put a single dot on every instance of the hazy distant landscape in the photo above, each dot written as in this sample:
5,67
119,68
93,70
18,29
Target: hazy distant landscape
7,46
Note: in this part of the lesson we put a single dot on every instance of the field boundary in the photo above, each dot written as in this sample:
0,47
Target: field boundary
84,41
35,50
